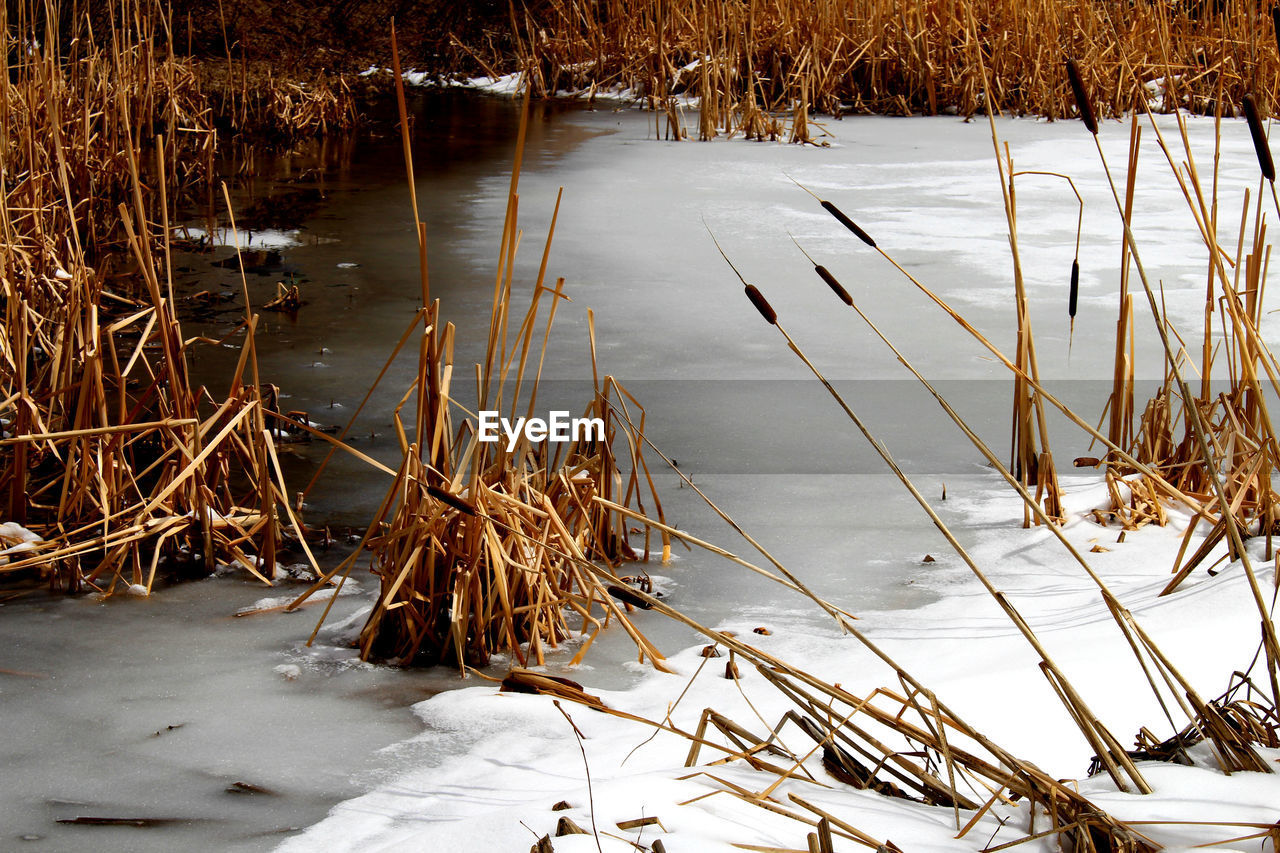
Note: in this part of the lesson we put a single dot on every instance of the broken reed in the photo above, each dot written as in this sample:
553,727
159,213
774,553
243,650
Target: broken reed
901,742
749,62
111,455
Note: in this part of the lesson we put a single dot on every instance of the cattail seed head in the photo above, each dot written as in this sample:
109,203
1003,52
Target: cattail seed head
629,596
1265,163
825,275
1082,97
848,223
1075,289
762,305
451,499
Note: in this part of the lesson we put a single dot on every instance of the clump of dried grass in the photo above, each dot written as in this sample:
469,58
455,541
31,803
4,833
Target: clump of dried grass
481,548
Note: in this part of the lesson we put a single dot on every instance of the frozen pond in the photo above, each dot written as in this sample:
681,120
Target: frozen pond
723,396
223,730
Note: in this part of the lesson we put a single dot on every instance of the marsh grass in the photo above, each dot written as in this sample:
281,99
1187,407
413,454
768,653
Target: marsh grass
1210,454
111,454
482,548
751,61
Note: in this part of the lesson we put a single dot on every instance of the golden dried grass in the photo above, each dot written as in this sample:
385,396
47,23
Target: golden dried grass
747,59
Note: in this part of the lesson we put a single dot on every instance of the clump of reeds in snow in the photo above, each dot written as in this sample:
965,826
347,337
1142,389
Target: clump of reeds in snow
787,57
945,760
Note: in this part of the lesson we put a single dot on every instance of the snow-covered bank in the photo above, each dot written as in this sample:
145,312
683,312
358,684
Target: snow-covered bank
510,758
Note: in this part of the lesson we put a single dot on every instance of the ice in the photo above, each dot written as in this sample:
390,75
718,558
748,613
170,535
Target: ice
723,394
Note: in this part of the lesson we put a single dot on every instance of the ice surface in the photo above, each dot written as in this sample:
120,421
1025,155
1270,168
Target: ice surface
632,239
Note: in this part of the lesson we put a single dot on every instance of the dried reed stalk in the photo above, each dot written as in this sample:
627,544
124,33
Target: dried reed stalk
482,548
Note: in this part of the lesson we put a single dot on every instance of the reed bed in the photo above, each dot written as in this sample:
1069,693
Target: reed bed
122,467
259,102
750,61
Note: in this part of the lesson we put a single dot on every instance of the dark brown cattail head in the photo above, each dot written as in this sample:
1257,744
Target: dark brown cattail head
1083,104
825,275
451,499
848,223
627,595
762,305
1260,145
1275,24
1075,289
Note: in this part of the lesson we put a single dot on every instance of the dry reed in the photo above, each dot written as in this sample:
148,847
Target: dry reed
750,62
1221,468
111,454
486,549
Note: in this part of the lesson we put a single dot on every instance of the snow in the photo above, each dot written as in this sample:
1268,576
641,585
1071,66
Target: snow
508,84
14,539
506,758
412,76
924,188
267,238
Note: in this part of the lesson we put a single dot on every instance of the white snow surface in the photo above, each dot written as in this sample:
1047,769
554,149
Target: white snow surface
14,539
505,759
267,238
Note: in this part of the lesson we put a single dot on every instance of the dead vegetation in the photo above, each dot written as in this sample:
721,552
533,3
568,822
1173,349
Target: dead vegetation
1210,453
120,465
482,547
748,63
110,454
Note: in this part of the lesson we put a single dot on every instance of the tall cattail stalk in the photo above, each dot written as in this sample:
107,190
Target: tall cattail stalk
1207,717
1105,746
1199,431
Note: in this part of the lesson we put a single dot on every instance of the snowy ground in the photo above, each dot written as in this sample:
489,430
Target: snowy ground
924,188
510,757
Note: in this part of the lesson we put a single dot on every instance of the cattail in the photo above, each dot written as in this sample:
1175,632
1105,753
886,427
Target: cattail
1071,303
629,596
1265,163
451,499
1075,289
1082,97
1275,24
849,223
826,276
762,305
